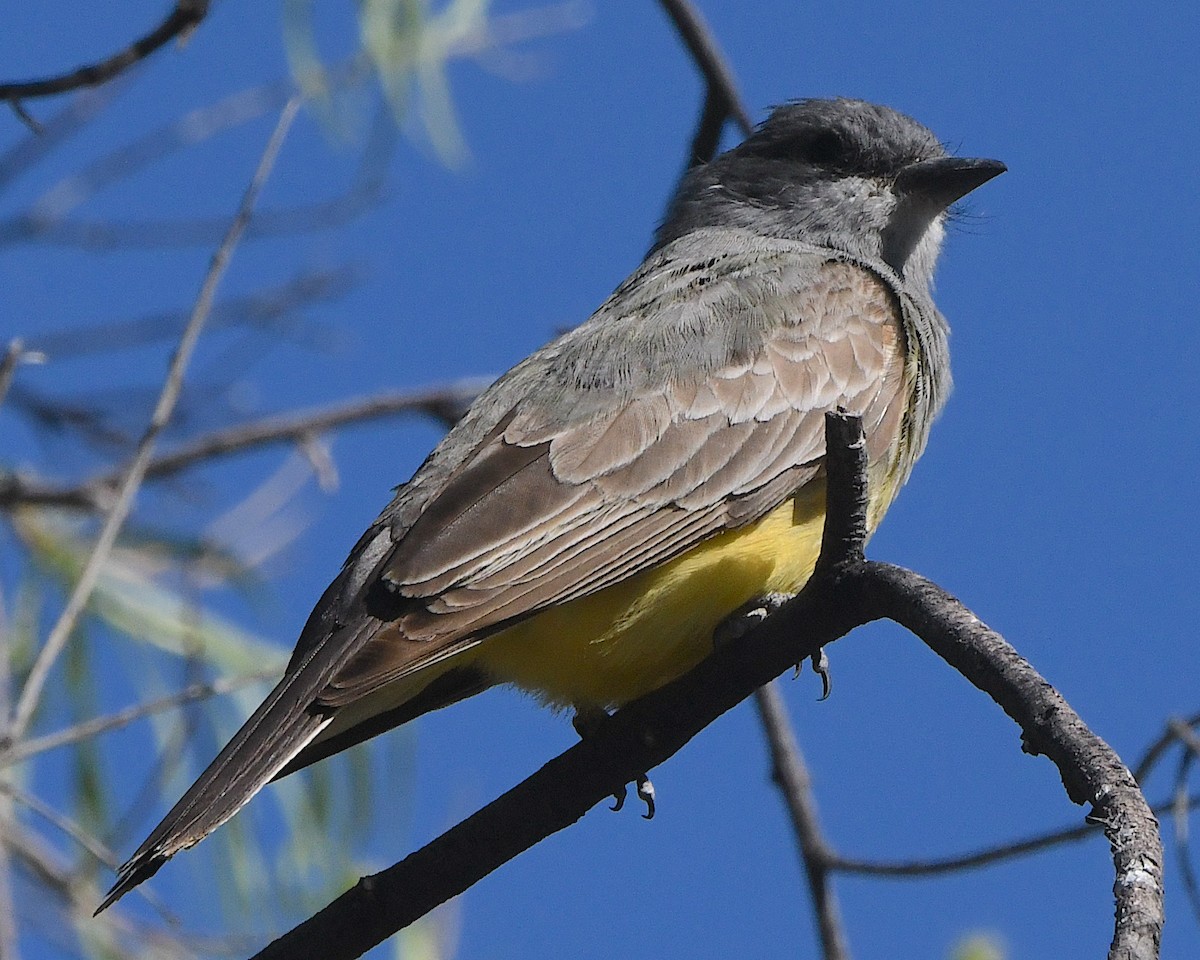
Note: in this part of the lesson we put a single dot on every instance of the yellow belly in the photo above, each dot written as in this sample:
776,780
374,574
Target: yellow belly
628,639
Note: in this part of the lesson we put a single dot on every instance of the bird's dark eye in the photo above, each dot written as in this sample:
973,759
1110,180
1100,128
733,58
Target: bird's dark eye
824,148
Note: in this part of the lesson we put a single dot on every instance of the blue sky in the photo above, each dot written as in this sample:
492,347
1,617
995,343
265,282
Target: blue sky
1052,499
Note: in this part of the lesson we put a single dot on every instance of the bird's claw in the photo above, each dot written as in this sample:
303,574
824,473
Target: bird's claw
586,721
820,665
619,797
748,616
645,792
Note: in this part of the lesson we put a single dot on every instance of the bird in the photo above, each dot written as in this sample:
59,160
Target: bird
607,503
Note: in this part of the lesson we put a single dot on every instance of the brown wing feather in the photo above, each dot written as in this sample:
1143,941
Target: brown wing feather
599,501
558,483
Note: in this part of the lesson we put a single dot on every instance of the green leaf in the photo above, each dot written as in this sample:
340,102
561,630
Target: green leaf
979,946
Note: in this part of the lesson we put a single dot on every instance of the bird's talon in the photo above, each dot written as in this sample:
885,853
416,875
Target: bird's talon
645,792
619,796
748,616
820,665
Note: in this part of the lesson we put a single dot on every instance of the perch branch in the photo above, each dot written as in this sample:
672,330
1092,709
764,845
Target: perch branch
844,592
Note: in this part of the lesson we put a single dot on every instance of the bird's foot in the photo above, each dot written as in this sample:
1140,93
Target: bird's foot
645,792
748,616
586,721
820,665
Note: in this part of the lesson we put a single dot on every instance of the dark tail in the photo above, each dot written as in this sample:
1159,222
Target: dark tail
278,730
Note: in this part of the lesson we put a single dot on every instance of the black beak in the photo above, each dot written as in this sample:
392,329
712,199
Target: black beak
946,179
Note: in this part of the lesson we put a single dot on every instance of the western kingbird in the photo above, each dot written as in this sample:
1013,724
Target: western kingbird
610,500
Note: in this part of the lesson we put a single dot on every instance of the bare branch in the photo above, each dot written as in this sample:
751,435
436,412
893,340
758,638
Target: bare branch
791,775
445,404
63,822
183,18
8,366
26,117
123,718
721,98
706,139
173,384
843,593
1159,747
1091,772
984,857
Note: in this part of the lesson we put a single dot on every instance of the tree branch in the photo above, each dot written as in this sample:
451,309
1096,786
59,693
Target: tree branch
984,857
443,403
843,593
132,478
1091,771
184,17
95,726
722,100
790,773
1159,747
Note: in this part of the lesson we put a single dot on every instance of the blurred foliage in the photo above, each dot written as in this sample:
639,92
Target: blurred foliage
408,45
147,601
979,946
160,671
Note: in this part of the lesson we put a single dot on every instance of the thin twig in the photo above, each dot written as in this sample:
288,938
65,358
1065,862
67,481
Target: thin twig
985,857
1179,810
122,718
27,118
791,775
8,913
1155,751
721,98
445,403
184,16
706,139
8,365
173,384
702,45
63,822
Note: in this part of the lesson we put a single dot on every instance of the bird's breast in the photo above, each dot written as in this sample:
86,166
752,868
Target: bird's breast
622,642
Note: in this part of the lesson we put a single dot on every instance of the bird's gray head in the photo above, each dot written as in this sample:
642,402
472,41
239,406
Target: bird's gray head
845,174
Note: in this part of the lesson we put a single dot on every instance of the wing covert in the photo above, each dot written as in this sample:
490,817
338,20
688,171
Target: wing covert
544,513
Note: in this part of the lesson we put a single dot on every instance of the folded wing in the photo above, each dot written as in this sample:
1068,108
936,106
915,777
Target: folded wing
692,403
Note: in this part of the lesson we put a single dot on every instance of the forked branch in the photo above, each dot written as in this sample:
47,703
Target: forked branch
845,592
